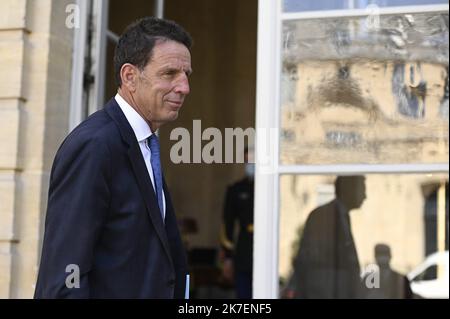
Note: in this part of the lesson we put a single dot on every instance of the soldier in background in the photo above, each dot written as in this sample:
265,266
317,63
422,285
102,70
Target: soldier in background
238,255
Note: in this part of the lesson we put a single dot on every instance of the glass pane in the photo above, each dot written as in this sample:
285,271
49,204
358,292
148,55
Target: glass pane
429,274
368,236
365,91
302,5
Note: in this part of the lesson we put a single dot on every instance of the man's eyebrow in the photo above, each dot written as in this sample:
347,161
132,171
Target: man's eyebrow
168,68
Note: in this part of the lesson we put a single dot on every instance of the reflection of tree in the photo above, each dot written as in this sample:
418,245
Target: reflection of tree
341,89
296,243
295,246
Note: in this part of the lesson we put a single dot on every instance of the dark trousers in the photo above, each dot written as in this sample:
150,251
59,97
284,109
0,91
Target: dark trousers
244,284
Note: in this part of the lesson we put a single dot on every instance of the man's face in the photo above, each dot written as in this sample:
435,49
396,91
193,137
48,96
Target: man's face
163,84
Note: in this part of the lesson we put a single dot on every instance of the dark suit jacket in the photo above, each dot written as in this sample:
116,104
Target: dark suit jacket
327,265
239,208
103,216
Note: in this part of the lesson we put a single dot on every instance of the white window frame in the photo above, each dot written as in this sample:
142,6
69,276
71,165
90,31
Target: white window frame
266,236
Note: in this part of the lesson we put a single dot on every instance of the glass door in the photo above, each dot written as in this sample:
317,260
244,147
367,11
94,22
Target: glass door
351,194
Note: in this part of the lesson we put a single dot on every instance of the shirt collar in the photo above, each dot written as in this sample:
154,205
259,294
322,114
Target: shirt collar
138,124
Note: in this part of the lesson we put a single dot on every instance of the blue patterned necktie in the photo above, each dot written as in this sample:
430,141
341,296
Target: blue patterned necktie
157,173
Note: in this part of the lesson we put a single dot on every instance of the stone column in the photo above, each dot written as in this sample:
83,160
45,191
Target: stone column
35,55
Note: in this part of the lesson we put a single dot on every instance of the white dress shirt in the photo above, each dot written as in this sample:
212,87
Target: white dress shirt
142,132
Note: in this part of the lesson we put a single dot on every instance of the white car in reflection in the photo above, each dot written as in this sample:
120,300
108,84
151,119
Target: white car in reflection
430,279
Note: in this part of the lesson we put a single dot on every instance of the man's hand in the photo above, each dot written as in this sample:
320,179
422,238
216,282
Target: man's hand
228,269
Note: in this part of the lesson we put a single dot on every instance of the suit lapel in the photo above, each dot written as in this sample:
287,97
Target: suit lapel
140,172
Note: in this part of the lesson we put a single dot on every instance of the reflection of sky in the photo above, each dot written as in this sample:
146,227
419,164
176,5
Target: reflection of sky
301,5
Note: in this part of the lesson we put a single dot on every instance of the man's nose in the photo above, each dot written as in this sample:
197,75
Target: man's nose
182,85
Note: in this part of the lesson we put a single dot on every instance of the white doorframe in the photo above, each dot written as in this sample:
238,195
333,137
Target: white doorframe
265,252
78,55
100,29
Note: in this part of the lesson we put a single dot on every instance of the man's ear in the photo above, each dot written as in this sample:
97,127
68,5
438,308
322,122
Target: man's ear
128,75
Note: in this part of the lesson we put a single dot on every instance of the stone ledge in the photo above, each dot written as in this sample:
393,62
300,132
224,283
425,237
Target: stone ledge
13,14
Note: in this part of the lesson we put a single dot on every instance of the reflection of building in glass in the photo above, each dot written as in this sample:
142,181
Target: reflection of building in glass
356,96
359,119
368,99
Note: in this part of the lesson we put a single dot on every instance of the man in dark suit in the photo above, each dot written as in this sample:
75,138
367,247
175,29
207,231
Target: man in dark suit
392,284
327,265
238,254
110,228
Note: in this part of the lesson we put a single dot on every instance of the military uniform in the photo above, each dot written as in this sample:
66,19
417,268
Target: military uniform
239,209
